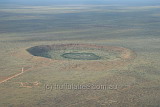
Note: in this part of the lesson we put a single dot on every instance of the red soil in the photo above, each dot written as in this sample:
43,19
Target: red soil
127,56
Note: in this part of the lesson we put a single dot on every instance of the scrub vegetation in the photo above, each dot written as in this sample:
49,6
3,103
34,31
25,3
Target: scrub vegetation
131,33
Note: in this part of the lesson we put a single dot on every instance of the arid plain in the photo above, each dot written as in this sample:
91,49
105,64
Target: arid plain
129,67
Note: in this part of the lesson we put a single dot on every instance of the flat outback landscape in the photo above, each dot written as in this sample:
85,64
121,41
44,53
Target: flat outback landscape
80,54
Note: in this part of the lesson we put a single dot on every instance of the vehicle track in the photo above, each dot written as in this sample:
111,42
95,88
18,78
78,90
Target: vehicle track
23,71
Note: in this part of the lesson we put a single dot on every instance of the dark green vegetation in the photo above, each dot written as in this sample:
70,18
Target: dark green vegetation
73,51
40,51
81,56
136,28
44,51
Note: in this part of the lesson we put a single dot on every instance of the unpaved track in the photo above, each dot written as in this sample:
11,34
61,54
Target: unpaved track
18,74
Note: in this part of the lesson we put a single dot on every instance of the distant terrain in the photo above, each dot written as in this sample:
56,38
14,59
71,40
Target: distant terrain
125,75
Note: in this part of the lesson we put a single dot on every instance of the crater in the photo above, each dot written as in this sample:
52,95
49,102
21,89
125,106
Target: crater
80,52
